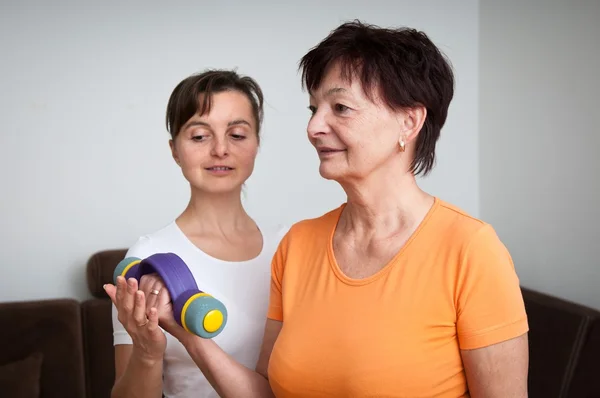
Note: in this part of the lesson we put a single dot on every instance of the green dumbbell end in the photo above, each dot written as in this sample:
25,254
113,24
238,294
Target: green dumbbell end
125,265
205,316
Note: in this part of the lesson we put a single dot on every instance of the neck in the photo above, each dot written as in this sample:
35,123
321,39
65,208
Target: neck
384,203
208,212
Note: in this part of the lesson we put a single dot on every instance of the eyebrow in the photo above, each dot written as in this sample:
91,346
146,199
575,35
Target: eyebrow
235,122
332,91
335,90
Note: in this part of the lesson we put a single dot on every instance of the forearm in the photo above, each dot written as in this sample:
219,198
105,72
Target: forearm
228,377
141,379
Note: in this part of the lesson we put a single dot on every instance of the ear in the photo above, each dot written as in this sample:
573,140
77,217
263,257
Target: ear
413,121
174,151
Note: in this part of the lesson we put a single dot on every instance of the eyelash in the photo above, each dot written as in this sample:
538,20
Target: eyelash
340,108
237,137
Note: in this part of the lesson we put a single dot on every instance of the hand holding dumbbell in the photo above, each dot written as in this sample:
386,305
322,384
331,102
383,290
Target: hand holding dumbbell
197,312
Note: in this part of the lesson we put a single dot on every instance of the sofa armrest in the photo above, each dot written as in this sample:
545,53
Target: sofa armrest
98,347
53,328
559,331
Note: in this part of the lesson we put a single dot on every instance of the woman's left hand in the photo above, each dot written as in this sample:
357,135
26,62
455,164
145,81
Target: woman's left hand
158,297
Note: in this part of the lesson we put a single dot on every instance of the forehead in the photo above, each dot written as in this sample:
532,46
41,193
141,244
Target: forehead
223,104
333,84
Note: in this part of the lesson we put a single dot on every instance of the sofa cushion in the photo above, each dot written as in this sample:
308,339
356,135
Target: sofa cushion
100,269
53,328
21,378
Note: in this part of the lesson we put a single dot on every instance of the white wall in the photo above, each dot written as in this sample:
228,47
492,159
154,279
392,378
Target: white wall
539,140
84,159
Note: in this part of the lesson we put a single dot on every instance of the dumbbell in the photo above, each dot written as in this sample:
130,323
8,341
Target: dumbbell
197,312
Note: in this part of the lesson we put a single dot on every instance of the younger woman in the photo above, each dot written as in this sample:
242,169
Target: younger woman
214,120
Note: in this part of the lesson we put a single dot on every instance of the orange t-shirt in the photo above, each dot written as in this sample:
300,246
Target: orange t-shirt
399,332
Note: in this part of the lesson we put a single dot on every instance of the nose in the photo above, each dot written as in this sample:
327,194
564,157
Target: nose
318,125
220,147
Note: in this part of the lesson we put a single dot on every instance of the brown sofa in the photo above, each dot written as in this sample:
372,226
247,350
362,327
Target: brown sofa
63,348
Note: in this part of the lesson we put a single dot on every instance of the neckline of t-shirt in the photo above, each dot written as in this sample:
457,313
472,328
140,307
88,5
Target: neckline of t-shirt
390,265
191,244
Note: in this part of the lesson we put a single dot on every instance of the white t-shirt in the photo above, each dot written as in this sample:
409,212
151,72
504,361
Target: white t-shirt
243,287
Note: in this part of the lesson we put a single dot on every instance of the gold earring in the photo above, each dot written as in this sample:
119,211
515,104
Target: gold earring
402,145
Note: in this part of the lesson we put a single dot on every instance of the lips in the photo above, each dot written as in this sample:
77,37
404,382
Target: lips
219,168
329,150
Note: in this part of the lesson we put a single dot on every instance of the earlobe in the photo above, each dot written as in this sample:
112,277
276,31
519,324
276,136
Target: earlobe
402,143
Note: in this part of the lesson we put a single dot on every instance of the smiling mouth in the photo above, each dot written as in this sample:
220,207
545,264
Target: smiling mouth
219,168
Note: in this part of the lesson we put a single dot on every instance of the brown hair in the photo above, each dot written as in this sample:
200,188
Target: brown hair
403,64
184,101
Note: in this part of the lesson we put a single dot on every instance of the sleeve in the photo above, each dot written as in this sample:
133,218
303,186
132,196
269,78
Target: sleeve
275,310
141,249
489,302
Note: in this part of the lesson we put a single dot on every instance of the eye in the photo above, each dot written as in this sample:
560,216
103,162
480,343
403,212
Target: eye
312,109
340,108
238,137
198,137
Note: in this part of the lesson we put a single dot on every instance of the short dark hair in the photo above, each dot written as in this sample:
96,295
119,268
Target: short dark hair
403,64
184,101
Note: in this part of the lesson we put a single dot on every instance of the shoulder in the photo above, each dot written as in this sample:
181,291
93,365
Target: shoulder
469,237
476,243
314,227
303,236
156,241
456,219
273,233
456,226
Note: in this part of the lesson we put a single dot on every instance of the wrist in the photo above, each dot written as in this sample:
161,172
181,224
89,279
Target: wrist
193,343
145,359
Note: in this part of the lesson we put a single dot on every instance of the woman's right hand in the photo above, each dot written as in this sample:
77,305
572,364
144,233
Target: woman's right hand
149,341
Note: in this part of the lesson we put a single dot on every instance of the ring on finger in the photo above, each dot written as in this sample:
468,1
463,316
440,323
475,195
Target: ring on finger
145,323
154,291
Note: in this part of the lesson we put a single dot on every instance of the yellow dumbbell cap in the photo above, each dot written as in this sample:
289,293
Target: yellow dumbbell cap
213,321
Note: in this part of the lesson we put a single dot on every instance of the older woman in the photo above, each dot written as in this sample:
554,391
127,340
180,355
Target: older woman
395,293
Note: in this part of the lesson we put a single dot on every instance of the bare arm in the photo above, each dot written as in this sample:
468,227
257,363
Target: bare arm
228,377
134,376
139,366
498,371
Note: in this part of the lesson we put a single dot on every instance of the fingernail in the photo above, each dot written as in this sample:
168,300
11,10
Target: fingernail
104,286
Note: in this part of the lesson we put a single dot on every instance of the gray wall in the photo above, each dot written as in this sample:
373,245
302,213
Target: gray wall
539,140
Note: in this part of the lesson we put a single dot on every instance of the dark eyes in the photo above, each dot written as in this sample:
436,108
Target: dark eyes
237,137
339,108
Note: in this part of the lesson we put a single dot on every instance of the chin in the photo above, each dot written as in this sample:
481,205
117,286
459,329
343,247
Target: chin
221,187
330,173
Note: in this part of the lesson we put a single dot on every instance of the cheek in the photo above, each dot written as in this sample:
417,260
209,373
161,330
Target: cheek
245,153
191,155
249,156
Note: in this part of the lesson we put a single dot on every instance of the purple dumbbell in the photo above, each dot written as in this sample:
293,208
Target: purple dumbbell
197,312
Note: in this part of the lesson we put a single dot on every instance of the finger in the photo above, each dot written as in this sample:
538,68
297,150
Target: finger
164,297
129,297
152,320
111,291
121,287
153,294
139,311
146,283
